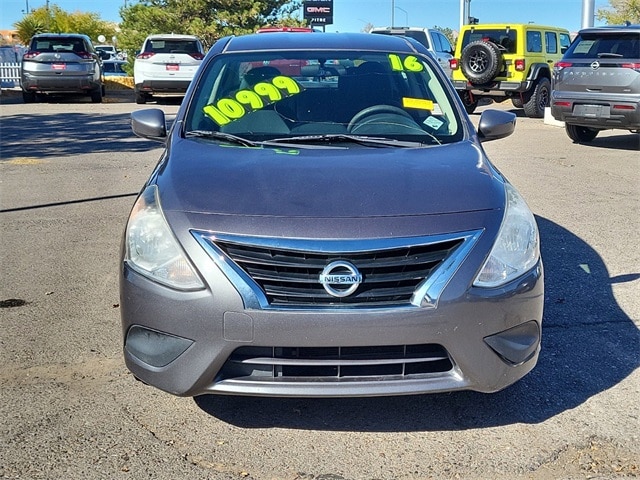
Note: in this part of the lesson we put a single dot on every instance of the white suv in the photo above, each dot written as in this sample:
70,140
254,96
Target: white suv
435,41
166,64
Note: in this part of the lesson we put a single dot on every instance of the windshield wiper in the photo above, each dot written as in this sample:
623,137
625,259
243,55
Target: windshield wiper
345,138
221,136
609,55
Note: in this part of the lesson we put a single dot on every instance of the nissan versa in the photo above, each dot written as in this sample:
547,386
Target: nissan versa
324,222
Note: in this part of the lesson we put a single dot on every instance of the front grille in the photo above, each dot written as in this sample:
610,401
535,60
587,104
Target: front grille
317,363
290,277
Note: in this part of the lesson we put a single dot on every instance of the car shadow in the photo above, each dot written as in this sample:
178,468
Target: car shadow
624,141
57,135
589,345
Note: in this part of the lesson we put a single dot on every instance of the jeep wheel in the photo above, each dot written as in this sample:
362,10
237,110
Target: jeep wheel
28,97
481,61
469,102
580,134
516,101
538,99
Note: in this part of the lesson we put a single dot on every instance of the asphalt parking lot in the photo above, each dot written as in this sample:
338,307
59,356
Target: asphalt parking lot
69,173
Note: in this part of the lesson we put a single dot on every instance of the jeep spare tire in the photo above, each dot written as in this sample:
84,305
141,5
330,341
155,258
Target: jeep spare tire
481,61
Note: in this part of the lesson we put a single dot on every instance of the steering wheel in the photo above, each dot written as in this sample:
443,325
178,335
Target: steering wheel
374,110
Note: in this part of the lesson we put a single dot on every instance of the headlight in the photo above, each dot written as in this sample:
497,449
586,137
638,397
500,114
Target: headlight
517,246
151,248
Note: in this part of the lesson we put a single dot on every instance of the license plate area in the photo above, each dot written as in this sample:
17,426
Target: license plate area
592,111
172,67
58,66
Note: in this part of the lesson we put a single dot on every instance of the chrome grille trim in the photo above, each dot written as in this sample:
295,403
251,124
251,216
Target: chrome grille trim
256,273
303,364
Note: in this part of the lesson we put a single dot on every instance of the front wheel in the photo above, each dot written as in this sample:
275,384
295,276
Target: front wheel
538,99
517,102
580,134
141,98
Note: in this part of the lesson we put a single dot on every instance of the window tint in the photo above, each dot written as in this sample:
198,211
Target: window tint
506,39
419,36
171,46
270,95
58,44
608,45
442,43
534,41
551,42
565,41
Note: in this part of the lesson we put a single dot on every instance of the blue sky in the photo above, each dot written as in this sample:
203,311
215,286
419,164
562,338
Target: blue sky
353,15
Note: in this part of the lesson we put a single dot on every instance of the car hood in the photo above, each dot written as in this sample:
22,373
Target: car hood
354,182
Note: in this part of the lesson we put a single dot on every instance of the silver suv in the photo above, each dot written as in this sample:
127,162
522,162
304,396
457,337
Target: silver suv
166,64
596,85
61,63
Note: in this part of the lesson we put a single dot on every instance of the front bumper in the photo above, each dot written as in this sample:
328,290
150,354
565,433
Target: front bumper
219,347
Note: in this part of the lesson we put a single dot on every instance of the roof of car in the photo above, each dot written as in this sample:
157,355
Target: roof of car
171,35
612,29
324,41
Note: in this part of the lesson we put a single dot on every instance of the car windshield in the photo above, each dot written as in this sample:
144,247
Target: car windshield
58,44
112,67
506,38
319,97
171,46
618,45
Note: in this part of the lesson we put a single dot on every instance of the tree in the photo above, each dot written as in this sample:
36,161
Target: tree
207,19
447,32
56,20
620,11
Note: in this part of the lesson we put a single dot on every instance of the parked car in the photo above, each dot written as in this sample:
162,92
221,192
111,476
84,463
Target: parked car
61,63
596,85
507,61
107,52
321,236
166,64
433,39
114,68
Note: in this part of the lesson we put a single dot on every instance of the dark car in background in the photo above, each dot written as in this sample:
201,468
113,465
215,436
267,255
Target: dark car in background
596,85
328,232
61,63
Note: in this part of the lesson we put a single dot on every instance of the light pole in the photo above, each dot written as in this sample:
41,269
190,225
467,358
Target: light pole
406,14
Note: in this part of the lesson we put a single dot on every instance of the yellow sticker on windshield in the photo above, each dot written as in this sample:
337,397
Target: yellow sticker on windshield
419,103
238,104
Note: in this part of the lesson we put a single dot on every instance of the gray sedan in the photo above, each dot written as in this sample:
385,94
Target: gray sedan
324,222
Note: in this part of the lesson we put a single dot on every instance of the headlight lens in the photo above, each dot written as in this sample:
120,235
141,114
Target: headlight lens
517,246
151,248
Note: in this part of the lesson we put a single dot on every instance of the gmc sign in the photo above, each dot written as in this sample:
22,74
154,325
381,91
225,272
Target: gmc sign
318,12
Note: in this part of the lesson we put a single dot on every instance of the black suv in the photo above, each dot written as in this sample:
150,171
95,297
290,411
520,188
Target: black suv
596,85
61,63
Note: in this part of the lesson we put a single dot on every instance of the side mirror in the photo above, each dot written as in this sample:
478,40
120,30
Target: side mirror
495,124
149,123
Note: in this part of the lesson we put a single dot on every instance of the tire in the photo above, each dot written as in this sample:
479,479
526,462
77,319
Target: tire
96,95
470,103
580,134
481,61
141,98
538,99
28,97
517,102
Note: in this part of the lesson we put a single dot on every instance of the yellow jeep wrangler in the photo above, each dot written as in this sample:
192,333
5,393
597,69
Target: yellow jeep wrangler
507,61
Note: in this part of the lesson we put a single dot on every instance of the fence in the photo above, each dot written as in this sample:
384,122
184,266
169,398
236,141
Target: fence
9,75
